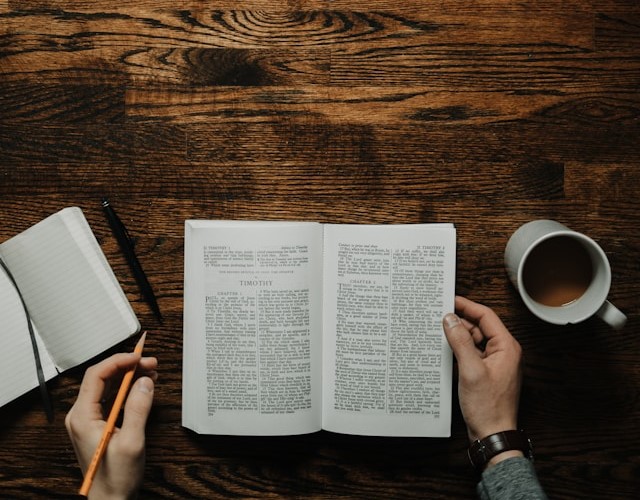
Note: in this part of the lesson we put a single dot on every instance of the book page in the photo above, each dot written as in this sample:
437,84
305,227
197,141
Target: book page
387,367
252,327
17,362
73,297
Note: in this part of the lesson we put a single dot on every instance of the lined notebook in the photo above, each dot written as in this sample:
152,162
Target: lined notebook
76,304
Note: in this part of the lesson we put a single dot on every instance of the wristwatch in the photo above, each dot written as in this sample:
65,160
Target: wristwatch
483,450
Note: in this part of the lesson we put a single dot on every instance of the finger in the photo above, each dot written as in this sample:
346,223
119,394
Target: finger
136,410
146,367
153,375
478,338
490,324
460,340
95,380
148,363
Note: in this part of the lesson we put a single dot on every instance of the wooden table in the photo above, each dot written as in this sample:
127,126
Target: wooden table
486,114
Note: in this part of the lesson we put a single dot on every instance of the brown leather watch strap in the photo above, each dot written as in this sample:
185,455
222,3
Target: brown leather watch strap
483,450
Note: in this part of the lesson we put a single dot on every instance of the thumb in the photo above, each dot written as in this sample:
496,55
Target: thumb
137,408
460,341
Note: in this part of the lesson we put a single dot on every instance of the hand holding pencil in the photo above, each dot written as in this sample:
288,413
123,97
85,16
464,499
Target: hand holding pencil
120,467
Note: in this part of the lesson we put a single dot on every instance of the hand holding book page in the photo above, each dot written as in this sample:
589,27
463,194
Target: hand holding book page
292,327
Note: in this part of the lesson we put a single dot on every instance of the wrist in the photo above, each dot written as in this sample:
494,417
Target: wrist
499,446
503,456
481,432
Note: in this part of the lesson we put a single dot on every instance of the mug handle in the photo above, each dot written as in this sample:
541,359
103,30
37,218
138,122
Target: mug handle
612,315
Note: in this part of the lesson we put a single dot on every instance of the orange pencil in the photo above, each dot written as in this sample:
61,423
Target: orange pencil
111,423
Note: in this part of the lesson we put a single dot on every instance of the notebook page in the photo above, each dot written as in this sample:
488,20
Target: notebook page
81,231
17,363
73,297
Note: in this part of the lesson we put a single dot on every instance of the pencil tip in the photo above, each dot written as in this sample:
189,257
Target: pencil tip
140,344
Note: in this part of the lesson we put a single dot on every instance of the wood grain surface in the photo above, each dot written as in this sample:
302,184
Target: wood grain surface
487,114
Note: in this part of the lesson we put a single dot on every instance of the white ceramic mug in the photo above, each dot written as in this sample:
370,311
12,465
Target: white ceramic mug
593,300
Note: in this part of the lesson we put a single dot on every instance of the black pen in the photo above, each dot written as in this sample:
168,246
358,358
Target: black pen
126,245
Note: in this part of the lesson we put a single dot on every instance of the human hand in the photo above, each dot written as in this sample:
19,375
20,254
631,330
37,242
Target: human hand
488,379
121,470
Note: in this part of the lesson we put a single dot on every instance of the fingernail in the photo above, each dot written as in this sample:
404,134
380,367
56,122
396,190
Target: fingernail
451,320
145,385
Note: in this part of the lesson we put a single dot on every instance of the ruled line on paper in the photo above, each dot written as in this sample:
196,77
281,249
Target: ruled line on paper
17,367
79,311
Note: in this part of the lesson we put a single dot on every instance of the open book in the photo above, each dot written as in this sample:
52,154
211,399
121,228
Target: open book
293,327
77,307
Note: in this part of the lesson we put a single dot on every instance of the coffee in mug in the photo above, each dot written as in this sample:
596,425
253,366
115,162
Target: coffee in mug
557,271
562,276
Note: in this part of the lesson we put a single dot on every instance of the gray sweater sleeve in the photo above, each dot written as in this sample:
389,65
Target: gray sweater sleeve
512,479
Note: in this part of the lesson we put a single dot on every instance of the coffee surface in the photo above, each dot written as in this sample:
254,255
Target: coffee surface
557,271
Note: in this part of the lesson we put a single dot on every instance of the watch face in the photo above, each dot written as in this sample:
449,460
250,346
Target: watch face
477,455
